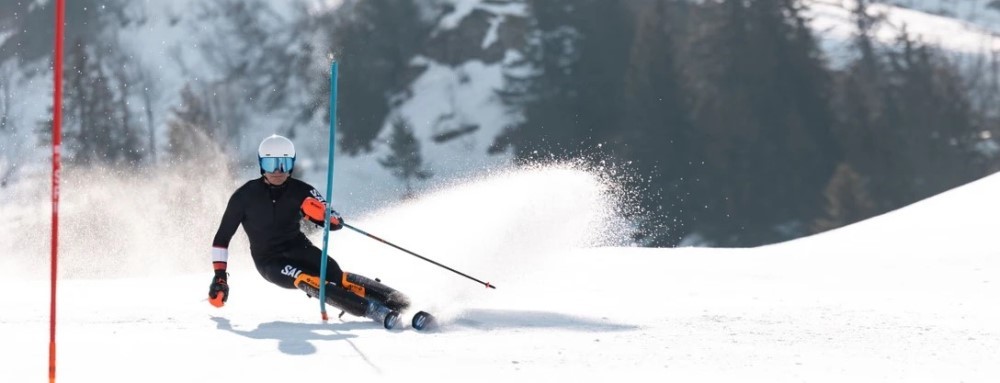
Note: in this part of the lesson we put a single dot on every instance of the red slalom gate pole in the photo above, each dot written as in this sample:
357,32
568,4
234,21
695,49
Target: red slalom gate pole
56,142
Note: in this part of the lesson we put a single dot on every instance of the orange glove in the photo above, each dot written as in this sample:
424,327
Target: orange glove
314,210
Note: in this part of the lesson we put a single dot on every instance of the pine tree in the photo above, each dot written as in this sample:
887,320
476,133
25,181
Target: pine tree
937,125
404,159
187,130
97,127
656,132
569,86
762,109
261,67
126,130
6,97
908,125
9,148
377,39
863,104
600,80
847,200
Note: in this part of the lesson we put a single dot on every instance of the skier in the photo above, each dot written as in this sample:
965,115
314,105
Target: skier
270,208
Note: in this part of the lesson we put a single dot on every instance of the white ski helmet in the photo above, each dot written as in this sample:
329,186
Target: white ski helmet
276,153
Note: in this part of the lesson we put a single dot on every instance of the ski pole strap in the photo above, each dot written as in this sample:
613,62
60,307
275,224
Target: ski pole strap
487,284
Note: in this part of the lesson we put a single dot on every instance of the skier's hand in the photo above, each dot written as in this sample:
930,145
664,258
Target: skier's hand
314,210
218,291
336,221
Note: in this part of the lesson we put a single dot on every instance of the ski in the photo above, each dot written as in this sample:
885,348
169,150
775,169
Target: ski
385,304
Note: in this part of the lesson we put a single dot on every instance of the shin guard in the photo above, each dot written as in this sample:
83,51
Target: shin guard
375,290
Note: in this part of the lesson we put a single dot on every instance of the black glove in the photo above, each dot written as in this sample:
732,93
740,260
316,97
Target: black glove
336,221
218,291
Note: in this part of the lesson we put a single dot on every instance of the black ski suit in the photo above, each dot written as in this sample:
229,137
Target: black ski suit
270,216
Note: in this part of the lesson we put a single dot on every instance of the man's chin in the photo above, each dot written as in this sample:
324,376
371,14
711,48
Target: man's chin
276,180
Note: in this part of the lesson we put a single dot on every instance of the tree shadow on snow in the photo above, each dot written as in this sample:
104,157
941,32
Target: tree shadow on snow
293,338
483,319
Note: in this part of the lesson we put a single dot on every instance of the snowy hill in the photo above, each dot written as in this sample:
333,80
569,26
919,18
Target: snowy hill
971,30
907,296
456,94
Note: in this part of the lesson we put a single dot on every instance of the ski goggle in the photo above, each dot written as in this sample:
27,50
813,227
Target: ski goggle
273,164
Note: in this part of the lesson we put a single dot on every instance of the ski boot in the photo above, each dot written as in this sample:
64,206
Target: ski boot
348,302
376,291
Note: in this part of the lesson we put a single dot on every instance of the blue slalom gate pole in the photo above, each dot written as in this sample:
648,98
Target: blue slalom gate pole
329,189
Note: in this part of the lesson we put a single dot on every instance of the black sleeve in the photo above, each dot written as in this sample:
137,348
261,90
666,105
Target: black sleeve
313,192
230,221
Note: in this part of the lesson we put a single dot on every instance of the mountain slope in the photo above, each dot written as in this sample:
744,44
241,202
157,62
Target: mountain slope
908,296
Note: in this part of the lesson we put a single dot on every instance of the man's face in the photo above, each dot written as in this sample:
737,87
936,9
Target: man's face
276,178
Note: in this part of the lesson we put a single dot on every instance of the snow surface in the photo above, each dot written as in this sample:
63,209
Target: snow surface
908,296
978,12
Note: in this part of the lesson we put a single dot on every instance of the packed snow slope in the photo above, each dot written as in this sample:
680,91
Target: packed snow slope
908,296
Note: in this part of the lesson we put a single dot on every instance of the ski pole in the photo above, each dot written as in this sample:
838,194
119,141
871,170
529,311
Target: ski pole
487,284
